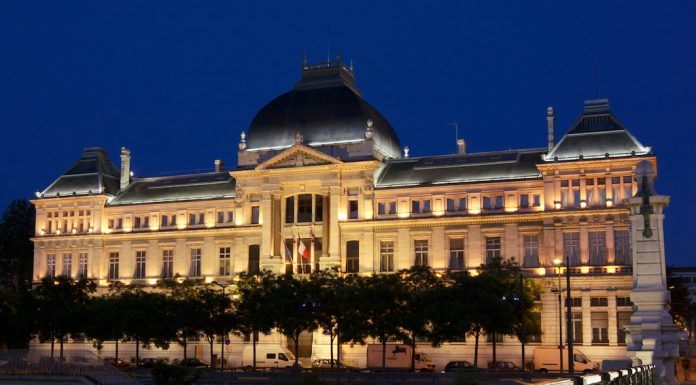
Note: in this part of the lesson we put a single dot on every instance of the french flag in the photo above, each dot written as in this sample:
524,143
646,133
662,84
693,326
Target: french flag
303,250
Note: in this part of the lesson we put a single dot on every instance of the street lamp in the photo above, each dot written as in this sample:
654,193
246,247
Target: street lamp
558,263
223,285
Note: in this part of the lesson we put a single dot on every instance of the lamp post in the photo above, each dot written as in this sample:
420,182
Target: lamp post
569,319
558,263
223,285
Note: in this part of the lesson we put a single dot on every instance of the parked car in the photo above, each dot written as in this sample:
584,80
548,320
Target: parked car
504,366
147,362
325,363
193,363
119,363
459,366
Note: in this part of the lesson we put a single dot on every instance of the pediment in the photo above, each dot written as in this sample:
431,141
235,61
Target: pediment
298,155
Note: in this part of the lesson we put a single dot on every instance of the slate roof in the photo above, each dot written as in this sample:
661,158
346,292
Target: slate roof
454,169
93,173
326,108
213,185
598,133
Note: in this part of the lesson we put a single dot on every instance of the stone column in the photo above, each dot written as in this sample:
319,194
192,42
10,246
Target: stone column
652,336
333,235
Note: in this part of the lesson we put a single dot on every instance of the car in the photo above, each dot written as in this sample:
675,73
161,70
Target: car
193,363
119,363
459,366
504,366
147,362
325,363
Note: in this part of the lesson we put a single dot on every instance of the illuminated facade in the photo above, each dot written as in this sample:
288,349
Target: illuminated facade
322,172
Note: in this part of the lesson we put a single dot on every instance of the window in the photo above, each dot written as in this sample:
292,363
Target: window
113,266
111,224
220,217
420,248
381,208
492,248
140,261
627,187
192,219
392,208
353,209
254,265
450,204
420,206
254,215
622,247
426,206
352,256
623,318
623,301
225,261
318,208
576,302
571,248
577,327
201,218
531,250
51,265
230,216
598,250
524,201
304,208
456,204
494,202
167,263
386,256
290,209
67,265
82,266
599,301
270,356
600,327
490,337
136,222
195,270
165,221
536,200
415,206
456,261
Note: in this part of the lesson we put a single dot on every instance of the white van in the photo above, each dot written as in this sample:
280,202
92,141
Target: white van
268,356
548,359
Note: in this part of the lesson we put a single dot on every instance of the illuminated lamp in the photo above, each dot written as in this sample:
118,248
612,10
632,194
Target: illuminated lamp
43,232
610,202
74,230
152,281
58,231
584,269
583,204
208,279
611,269
540,271
557,205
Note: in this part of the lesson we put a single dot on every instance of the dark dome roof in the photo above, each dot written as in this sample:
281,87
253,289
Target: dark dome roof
326,108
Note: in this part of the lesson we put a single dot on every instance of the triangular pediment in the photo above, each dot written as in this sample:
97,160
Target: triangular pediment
298,155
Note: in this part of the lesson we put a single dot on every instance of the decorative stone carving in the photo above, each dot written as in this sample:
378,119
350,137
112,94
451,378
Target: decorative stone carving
242,141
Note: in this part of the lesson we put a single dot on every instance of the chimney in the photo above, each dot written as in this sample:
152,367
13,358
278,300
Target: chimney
125,167
461,146
219,166
550,118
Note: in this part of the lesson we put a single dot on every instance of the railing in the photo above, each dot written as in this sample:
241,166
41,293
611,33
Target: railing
640,375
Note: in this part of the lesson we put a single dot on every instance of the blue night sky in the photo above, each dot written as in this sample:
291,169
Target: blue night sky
177,82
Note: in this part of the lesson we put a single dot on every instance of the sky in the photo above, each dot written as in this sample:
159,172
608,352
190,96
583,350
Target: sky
177,82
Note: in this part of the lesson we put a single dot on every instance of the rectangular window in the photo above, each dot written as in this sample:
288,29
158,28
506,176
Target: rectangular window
426,206
623,301
602,195
623,318
165,220
290,209
192,219
136,222
531,250
172,221
492,248
225,261
381,209
51,265
498,337
82,266
195,270
220,217
589,196
392,208
600,327
167,263
564,199
254,215
524,201
462,204
420,248
577,328
67,265
353,209
498,201
536,201
622,247
110,225
598,249
304,208
140,261
352,256
571,248
230,216
576,198
201,218
456,261
450,204
599,301
254,265
386,256
487,203
576,302
415,206
113,266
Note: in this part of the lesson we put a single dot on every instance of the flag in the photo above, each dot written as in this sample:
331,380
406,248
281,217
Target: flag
303,250
288,253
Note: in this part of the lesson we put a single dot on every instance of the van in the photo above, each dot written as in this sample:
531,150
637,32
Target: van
268,356
548,359
398,357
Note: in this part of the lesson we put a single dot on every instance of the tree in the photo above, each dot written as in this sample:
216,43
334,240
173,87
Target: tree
61,308
254,305
681,307
384,302
215,315
451,315
183,305
16,318
295,307
349,311
326,284
16,248
105,320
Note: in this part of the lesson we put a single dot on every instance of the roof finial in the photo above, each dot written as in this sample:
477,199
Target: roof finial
369,133
298,138
406,151
242,141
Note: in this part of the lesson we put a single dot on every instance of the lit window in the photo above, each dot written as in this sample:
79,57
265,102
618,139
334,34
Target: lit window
195,270
456,261
352,256
225,261
67,265
167,263
113,266
140,261
571,248
598,249
82,266
492,248
531,251
420,252
622,247
254,215
51,265
386,256
600,327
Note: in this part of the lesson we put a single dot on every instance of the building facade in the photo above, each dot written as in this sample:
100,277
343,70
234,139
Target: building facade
322,172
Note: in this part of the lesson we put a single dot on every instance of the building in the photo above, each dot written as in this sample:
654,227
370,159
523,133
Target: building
319,162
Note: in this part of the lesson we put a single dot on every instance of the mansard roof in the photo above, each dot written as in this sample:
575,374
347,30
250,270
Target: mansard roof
598,133
456,169
213,185
93,173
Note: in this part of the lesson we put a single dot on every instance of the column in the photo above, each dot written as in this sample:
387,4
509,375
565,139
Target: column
474,247
611,312
334,230
403,255
438,248
586,317
611,256
584,245
266,215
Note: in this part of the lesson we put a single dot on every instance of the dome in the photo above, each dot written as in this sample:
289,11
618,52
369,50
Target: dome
327,109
